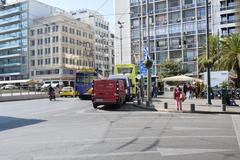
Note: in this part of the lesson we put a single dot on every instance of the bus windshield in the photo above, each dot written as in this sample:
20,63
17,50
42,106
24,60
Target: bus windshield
85,78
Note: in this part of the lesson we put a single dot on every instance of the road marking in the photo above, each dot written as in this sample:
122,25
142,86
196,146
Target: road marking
187,151
95,155
114,140
162,151
193,128
236,125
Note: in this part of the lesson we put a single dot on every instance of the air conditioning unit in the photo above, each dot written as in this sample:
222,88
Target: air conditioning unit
151,12
178,20
185,33
164,22
179,46
192,18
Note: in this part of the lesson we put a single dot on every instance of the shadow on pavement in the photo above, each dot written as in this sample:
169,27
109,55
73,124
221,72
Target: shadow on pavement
123,108
7,123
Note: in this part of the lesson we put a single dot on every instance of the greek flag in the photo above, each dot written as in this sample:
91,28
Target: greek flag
146,53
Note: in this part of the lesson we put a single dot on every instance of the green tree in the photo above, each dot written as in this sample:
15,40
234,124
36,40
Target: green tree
230,56
170,68
214,53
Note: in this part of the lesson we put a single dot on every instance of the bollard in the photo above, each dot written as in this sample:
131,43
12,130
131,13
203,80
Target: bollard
192,107
165,105
223,107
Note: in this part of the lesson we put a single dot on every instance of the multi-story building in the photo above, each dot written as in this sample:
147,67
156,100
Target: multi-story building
177,29
103,55
60,45
229,12
15,19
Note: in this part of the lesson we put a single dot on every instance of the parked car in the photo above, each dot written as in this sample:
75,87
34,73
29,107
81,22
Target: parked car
9,86
108,92
68,91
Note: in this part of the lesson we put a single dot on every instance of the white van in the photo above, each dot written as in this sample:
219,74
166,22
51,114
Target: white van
127,84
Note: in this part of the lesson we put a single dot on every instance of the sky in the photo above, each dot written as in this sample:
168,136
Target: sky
105,7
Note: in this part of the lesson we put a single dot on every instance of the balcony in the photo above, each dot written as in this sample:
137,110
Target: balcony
161,36
228,21
192,45
17,28
187,6
188,19
9,21
176,8
163,48
177,34
175,47
201,4
178,20
160,10
10,12
229,7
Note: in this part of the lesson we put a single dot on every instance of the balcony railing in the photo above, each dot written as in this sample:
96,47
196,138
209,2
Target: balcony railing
188,6
228,21
174,8
160,10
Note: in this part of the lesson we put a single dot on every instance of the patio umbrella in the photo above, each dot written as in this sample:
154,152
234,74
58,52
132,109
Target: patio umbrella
180,78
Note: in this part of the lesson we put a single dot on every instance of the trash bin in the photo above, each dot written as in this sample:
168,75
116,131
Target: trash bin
224,96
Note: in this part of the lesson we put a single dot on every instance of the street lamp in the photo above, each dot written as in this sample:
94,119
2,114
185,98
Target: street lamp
121,27
207,57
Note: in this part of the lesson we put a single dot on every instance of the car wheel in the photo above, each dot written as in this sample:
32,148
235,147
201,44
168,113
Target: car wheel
94,106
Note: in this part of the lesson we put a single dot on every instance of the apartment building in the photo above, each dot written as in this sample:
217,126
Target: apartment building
58,46
103,55
177,29
229,14
15,19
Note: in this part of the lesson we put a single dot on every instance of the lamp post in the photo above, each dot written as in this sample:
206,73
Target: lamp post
121,27
207,57
149,100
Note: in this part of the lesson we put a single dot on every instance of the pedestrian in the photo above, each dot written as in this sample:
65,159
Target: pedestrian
185,88
190,91
177,96
155,91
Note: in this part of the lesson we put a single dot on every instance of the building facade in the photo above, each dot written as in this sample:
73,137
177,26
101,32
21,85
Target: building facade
177,29
59,46
15,19
102,55
229,14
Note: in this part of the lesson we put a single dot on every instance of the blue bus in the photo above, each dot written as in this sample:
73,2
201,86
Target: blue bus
83,83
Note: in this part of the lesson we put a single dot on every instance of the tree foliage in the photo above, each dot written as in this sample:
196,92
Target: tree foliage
224,55
170,68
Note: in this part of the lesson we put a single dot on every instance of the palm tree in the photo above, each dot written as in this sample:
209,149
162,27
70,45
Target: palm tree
230,57
214,54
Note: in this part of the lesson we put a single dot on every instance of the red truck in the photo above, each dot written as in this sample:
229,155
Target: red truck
108,92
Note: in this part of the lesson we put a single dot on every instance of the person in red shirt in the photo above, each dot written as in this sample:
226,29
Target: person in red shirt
177,96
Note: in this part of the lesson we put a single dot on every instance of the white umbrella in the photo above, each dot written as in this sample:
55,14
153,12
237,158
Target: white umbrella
181,78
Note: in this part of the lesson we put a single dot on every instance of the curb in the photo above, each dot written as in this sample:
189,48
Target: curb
22,98
173,111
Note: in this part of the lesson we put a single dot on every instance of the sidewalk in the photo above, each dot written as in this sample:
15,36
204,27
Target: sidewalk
201,106
22,97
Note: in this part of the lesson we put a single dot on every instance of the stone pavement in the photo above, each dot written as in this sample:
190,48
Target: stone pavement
201,106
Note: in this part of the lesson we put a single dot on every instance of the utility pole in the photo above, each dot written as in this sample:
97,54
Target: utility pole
121,27
149,50
207,57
